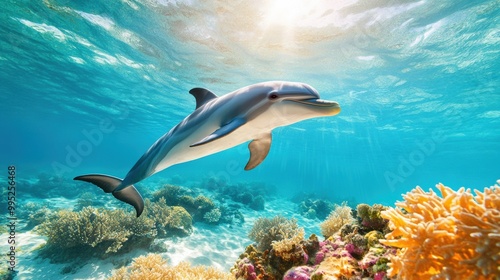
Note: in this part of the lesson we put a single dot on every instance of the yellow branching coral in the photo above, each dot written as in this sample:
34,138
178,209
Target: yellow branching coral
452,236
265,231
340,216
153,266
287,247
169,219
106,229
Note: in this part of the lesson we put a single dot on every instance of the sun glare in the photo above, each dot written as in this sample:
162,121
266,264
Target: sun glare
305,13
291,13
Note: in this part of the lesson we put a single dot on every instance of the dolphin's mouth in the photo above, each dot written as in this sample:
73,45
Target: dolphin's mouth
318,102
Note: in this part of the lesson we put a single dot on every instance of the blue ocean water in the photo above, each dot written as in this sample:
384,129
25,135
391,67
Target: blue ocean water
417,81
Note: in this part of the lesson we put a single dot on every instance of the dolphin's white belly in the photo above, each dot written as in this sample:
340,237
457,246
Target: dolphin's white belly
253,129
182,152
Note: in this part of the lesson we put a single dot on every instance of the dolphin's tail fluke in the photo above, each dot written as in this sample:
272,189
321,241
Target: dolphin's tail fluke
109,184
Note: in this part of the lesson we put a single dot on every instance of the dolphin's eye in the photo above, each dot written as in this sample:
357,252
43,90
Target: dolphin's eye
273,96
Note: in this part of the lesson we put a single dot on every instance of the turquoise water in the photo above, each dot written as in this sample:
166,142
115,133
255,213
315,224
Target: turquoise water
417,81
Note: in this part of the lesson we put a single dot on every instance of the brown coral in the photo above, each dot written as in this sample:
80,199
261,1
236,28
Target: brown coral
452,236
369,217
153,266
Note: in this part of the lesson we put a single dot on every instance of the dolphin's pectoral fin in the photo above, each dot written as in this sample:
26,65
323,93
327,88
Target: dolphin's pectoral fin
110,184
202,96
221,132
259,148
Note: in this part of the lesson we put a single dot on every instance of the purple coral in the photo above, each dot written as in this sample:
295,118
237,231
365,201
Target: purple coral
324,247
298,273
320,256
353,250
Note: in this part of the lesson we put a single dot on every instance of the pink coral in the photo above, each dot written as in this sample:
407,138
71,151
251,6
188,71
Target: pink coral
245,270
379,275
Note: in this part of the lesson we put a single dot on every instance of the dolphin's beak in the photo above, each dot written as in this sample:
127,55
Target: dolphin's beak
329,107
318,102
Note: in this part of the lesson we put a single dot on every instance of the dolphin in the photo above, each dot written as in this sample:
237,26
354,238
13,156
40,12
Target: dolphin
217,124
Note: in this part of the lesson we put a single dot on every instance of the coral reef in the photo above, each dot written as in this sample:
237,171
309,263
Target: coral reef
288,249
252,195
170,193
266,231
340,216
168,220
201,208
35,214
230,214
349,252
179,219
153,266
370,218
87,199
38,217
334,268
299,273
333,258
244,268
279,247
213,216
373,237
452,236
93,232
258,203
47,185
203,204
315,208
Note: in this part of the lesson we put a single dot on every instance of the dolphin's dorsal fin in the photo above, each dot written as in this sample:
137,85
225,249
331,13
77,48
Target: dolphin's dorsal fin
202,96
259,148
221,132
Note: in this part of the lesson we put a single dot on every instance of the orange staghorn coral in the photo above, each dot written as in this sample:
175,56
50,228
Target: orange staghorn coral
452,236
